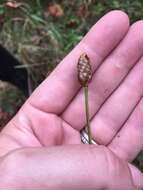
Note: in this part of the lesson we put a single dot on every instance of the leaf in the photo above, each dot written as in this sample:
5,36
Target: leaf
38,19
2,18
81,12
14,4
55,10
71,24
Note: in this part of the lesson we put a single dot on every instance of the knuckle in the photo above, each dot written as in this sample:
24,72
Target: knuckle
117,171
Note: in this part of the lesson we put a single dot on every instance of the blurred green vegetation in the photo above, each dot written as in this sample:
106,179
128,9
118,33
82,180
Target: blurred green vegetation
40,40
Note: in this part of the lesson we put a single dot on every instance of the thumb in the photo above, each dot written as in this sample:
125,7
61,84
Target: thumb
72,167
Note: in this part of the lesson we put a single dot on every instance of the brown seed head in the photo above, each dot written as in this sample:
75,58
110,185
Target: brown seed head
84,70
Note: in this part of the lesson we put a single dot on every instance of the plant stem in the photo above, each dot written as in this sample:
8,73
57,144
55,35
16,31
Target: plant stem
87,115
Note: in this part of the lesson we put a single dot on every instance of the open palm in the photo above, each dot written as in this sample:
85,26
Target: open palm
55,113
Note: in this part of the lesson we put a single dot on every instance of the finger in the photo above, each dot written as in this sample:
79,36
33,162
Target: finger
107,78
119,106
128,142
67,167
62,85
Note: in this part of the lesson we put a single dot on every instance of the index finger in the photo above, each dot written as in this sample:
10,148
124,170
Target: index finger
57,91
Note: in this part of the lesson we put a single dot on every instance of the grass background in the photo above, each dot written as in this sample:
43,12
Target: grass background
39,39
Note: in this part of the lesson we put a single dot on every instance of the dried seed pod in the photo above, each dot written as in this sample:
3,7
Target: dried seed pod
84,70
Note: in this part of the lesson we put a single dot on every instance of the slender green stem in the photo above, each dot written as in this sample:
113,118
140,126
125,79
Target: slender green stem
87,115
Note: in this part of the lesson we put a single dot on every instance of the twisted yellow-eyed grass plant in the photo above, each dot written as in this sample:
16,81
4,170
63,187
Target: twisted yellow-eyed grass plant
84,77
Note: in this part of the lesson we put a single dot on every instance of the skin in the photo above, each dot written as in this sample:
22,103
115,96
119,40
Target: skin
40,148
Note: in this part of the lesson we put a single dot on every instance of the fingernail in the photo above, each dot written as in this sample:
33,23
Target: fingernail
137,176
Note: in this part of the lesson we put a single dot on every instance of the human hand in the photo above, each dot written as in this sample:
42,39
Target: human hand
40,148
